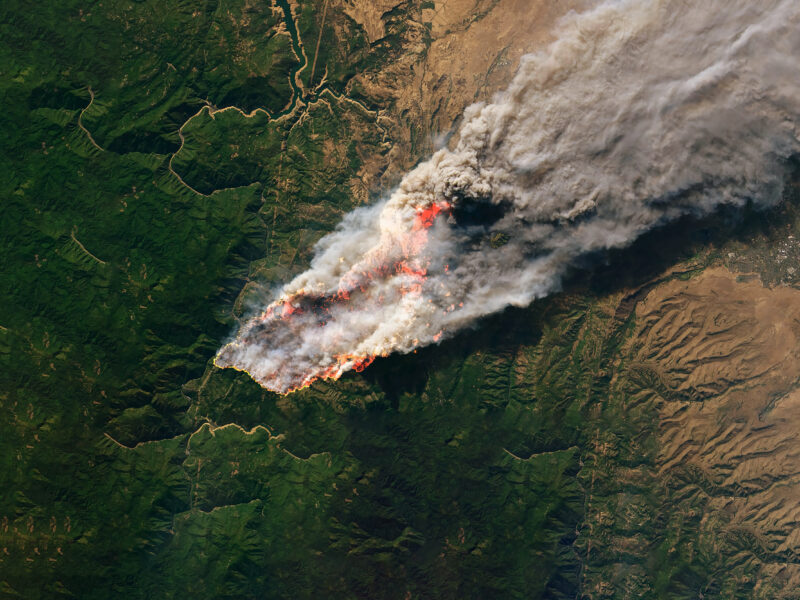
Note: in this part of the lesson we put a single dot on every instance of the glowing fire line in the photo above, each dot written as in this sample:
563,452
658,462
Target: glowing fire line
287,308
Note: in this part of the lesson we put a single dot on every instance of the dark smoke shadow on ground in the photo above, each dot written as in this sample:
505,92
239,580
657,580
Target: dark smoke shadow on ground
595,275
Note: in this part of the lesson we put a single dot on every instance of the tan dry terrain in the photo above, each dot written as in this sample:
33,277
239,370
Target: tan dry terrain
369,14
734,344
448,57
474,53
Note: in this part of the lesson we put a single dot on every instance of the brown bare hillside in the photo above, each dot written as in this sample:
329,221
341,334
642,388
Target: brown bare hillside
456,53
722,355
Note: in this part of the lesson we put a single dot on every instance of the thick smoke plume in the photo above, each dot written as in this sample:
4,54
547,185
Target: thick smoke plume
641,111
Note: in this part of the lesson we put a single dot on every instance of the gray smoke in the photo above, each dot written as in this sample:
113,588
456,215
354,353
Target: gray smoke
640,112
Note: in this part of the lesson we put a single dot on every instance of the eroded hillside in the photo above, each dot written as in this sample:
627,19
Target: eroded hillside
170,163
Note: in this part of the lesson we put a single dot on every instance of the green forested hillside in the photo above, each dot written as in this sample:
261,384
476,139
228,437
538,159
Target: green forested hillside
165,164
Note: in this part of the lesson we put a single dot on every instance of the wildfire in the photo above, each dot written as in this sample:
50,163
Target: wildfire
398,258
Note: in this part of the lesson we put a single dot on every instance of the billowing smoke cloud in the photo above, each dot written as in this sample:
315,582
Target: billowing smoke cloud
641,111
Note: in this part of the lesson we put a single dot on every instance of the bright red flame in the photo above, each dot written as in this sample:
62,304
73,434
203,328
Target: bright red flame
381,267
426,216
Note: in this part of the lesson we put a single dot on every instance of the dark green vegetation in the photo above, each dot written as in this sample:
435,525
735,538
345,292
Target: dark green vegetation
506,463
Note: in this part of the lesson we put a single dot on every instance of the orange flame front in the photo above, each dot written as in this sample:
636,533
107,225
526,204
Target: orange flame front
382,263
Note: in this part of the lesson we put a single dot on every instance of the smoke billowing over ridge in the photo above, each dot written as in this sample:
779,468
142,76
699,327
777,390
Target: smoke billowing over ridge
640,112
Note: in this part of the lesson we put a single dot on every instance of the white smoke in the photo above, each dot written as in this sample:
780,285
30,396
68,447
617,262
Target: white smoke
640,112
